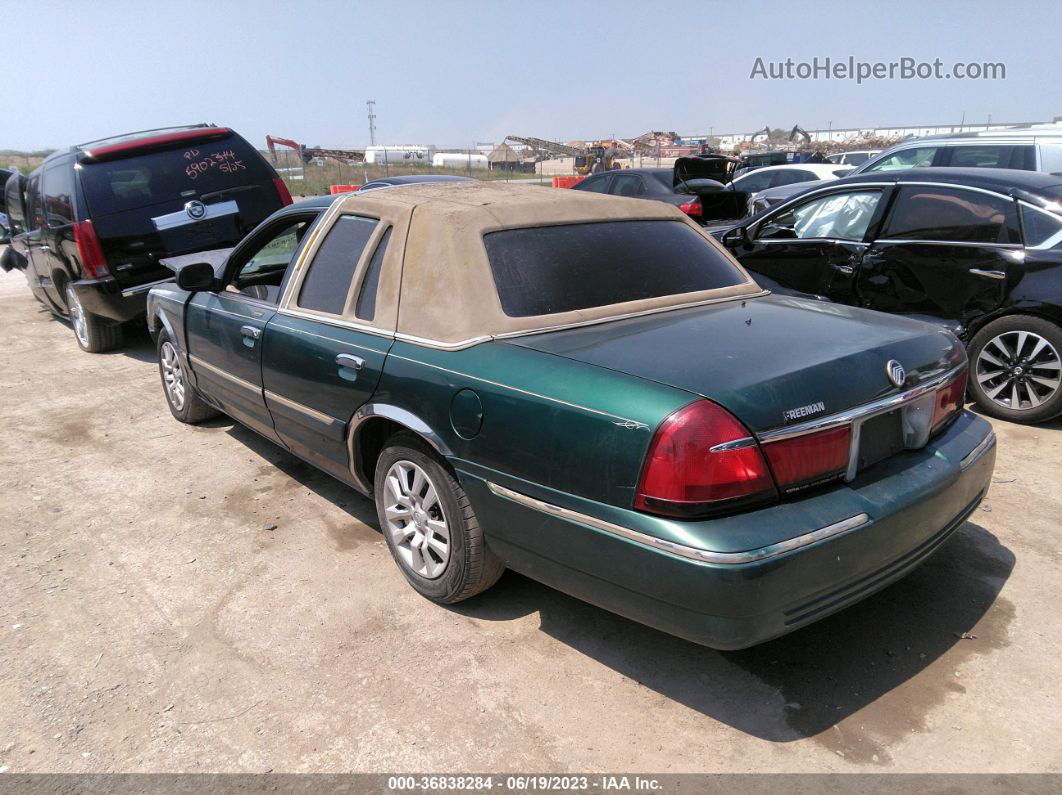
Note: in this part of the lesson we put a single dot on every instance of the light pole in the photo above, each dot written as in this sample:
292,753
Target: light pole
370,103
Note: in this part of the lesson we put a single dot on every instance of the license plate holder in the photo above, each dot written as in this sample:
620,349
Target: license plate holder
880,437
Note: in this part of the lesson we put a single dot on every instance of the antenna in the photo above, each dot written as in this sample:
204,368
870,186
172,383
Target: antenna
369,103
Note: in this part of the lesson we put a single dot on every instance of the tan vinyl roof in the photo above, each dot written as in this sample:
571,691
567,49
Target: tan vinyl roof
448,296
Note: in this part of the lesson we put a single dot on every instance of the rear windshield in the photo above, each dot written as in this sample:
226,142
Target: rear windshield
549,269
186,173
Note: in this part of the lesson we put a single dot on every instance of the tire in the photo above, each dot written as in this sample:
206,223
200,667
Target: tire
1017,355
93,333
468,567
184,402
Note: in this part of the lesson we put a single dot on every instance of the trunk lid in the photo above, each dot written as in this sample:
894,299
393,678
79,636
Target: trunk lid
708,178
771,361
190,195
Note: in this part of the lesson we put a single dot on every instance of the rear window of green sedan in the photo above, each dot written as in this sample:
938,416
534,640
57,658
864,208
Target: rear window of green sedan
548,269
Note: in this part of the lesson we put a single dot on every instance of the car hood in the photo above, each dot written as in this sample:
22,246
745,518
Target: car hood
763,357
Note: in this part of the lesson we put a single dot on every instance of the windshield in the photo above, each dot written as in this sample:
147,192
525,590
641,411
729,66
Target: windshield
550,269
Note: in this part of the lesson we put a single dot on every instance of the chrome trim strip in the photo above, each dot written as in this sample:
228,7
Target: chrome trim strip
182,218
314,414
691,553
737,444
143,288
337,322
838,240
859,412
217,371
962,243
978,452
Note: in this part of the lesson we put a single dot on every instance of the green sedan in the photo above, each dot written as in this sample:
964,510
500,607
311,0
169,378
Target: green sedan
588,390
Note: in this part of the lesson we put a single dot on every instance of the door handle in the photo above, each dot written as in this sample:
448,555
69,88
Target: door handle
989,274
251,331
847,270
351,361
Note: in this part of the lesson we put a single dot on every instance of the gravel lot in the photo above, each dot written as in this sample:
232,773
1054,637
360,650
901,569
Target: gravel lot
195,599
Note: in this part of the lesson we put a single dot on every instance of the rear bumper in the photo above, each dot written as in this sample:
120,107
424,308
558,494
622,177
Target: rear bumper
104,297
877,528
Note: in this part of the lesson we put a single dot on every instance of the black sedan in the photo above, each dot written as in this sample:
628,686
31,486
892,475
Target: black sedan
977,250
702,198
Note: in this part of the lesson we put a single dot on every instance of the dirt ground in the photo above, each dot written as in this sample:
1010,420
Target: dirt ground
195,599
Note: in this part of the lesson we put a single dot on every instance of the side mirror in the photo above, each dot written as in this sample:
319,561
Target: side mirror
738,234
196,276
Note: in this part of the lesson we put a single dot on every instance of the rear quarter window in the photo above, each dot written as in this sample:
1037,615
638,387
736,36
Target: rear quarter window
332,268
172,175
549,269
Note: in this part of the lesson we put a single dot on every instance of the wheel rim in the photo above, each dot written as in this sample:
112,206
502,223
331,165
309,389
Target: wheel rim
1019,370
172,376
77,315
415,520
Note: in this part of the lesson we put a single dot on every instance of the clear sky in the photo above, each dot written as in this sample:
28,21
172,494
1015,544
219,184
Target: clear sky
455,73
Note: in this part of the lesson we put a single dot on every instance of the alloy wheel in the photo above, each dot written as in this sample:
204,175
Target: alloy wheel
1019,370
416,521
172,375
77,315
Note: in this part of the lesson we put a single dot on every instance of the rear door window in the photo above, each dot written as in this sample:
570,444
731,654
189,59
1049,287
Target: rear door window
327,283
33,201
756,181
992,156
952,215
627,185
548,269
594,184
174,175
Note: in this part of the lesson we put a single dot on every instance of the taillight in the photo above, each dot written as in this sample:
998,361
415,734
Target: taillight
282,191
93,263
810,459
950,398
701,459
692,209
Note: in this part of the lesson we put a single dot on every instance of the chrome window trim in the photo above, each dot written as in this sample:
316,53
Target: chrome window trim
967,243
978,452
860,413
690,553
768,241
338,322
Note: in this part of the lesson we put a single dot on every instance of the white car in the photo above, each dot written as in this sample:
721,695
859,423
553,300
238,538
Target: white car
776,176
853,159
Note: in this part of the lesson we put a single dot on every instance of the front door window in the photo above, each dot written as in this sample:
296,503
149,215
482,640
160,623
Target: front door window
840,216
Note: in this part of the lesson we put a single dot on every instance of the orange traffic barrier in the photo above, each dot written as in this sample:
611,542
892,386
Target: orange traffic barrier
334,189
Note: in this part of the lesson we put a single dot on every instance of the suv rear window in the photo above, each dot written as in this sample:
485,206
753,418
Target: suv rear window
185,173
549,269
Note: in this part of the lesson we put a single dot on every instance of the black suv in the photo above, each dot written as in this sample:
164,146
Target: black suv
96,218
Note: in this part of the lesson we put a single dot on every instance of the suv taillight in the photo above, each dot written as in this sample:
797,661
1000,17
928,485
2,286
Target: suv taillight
282,191
93,263
950,399
702,459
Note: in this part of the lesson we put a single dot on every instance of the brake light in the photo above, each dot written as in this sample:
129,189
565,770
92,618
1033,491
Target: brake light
700,458
282,191
93,263
693,208
950,398
810,459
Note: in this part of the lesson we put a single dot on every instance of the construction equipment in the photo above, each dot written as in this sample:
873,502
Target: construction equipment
798,130
599,156
309,153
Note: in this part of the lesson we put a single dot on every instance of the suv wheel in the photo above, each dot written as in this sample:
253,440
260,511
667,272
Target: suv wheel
429,524
93,333
1016,369
184,402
